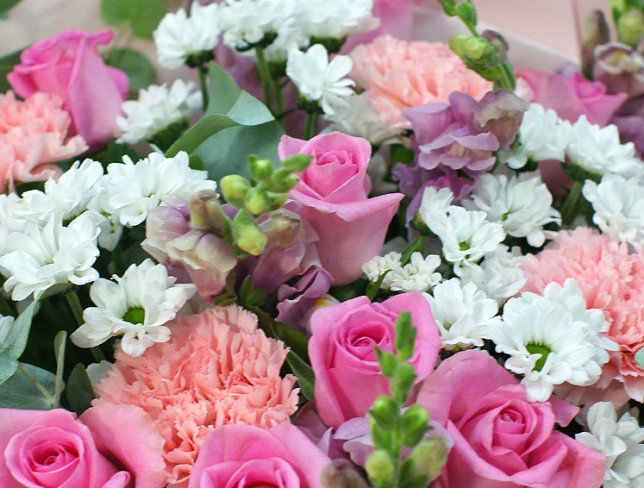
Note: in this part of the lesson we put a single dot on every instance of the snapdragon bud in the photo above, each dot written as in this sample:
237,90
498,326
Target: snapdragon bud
297,162
234,189
388,362
381,468
260,168
429,457
256,201
385,411
247,234
206,212
402,381
630,27
414,424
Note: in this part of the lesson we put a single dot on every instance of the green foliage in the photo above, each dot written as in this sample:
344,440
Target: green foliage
29,388
142,16
79,391
15,343
304,373
6,6
136,65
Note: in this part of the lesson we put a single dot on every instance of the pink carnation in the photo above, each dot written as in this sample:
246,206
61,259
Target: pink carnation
217,369
34,133
399,74
611,280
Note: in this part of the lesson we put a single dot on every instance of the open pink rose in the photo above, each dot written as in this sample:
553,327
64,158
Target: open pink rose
243,456
501,439
53,449
334,193
69,65
347,374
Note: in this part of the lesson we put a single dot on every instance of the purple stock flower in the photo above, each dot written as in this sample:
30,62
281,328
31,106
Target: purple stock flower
629,119
296,302
620,68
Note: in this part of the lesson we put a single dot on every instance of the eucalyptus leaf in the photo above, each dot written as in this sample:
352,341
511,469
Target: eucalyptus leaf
8,367
639,357
304,374
16,340
135,64
29,388
79,391
59,350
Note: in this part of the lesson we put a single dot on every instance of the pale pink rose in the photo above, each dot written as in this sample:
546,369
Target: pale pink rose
53,449
334,194
611,279
398,74
501,439
34,134
243,456
347,374
217,369
70,66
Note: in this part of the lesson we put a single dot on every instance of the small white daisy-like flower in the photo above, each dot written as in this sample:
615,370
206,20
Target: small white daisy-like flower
553,339
521,204
133,189
39,258
335,19
542,136
135,305
598,150
463,313
357,117
179,36
621,441
9,222
435,204
418,275
157,108
379,265
619,207
319,80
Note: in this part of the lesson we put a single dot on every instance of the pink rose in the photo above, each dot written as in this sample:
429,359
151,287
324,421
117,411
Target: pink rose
243,456
572,95
334,193
69,65
501,439
53,449
347,374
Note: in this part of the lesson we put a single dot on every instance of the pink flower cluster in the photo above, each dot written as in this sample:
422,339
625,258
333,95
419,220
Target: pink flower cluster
612,279
399,74
217,369
34,133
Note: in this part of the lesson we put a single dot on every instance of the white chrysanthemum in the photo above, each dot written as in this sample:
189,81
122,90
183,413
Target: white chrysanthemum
499,275
156,108
179,36
435,204
542,136
466,236
6,324
357,117
379,265
288,38
335,19
317,79
621,441
619,207
418,275
247,22
38,258
598,150
132,190
463,313
9,222
135,306
553,339
522,205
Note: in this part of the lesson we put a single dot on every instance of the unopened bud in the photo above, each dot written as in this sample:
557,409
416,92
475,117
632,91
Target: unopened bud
630,27
429,457
475,47
457,44
260,169
206,212
402,381
276,199
247,234
234,188
414,424
297,162
388,363
385,411
282,181
467,12
381,468
256,201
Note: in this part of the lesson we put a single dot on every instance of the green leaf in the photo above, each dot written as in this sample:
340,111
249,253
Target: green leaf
16,340
29,388
135,64
59,350
6,6
115,12
142,15
6,66
304,374
8,367
79,391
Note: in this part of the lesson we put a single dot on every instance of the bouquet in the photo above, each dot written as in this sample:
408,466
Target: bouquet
328,256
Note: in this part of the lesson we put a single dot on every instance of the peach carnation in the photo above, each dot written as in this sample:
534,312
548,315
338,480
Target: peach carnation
399,74
34,133
217,369
612,279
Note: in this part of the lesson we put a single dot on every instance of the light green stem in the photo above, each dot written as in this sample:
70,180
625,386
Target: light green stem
265,75
203,72
569,208
311,122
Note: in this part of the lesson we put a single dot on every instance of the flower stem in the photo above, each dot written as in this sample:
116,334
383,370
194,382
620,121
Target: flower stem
569,208
75,305
279,99
311,121
203,72
265,75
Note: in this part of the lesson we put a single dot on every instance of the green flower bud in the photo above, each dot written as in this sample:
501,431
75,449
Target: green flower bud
381,437
234,188
276,199
206,213
457,44
402,381
630,27
381,468
256,201
388,362
429,457
282,180
297,162
405,336
467,12
260,169
448,7
247,234
385,411
414,424
475,47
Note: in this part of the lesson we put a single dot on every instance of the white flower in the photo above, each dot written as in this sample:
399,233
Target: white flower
553,339
356,116
156,108
335,19
522,205
619,207
135,306
317,79
9,222
463,313
598,150
418,275
378,265
38,258
178,36
435,204
132,190
466,236
620,441
542,136
499,275
6,324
